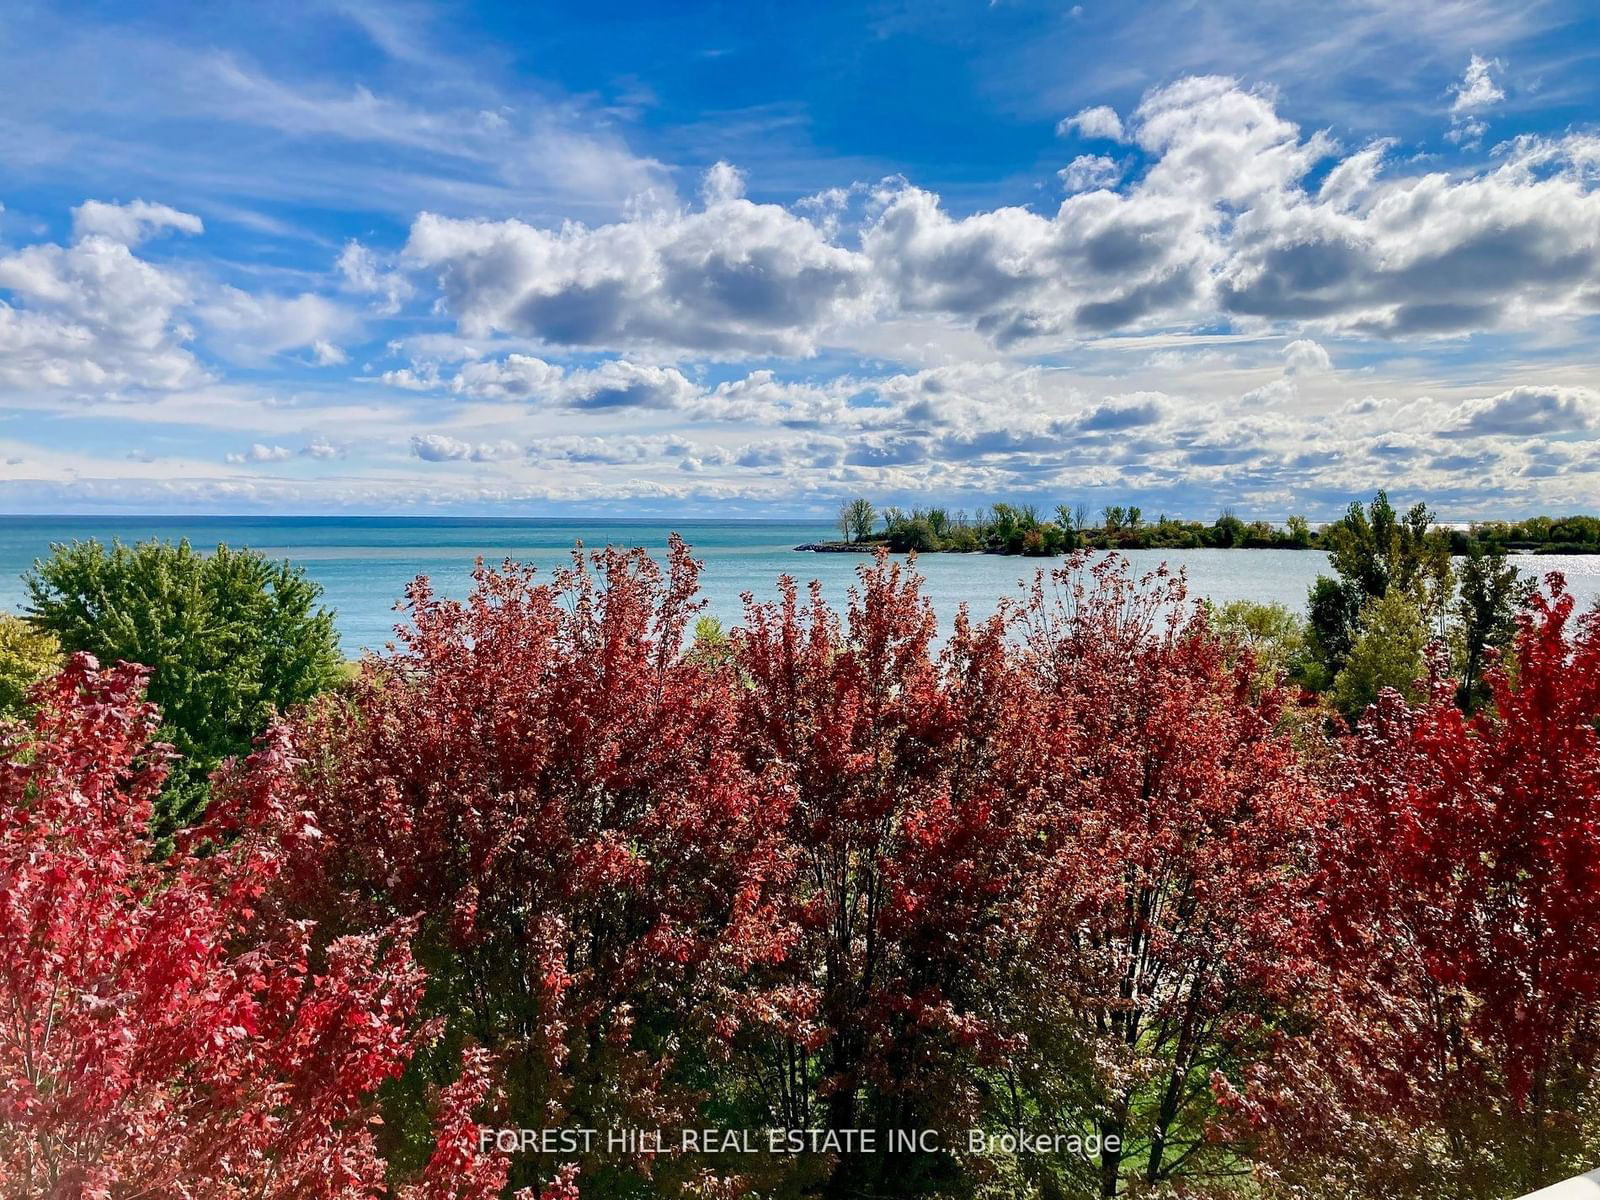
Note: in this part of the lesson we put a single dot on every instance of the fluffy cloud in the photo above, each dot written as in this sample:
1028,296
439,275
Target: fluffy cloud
1100,121
614,384
732,277
1305,357
1125,413
1529,412
361,273
1236,216
250,327
1088,172
1430,255
1477,89
438,447
611,451
1476,92
260,452
326,354
132,223
515,377
628,385
1101,264
93,316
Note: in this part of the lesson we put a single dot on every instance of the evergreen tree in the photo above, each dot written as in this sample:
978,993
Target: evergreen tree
230,639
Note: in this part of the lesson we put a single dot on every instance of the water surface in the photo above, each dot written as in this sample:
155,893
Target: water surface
364,563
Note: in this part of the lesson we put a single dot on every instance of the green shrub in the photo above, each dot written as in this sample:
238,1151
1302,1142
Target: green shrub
230,638
1388,653
1274,636
27,655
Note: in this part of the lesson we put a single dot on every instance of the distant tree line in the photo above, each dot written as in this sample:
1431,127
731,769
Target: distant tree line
1544,535
1026,529
1403,590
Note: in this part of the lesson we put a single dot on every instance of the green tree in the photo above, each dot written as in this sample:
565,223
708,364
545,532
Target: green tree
914,533
1274,636
709,633
711,643
862,517
1375,550
1299,531
1228,531
27,656
1388,652
1007,526
1492,590
230,639
1333,611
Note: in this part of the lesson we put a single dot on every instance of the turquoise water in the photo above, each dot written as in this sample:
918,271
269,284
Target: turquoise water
364,563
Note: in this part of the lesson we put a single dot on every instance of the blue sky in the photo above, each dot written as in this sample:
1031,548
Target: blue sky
751,259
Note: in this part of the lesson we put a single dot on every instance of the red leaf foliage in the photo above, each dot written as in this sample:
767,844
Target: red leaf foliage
553,788
1073,869
1457,1002
1166,922
163,1032
909,848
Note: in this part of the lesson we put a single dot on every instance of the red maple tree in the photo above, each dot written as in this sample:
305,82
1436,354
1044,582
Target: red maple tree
907,853
547,783
163,1031
1169,909
1457,1009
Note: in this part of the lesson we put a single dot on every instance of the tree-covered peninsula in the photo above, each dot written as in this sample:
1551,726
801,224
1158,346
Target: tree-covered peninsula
1026,529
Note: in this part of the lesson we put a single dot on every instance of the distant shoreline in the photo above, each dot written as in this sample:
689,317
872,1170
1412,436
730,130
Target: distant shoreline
1022,530
872,547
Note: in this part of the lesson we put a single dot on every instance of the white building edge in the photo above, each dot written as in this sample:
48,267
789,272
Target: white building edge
1581,1187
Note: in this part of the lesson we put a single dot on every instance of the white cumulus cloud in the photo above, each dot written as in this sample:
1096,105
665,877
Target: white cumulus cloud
1222,224
1101,121
438,447
93,317
1304,357
1477,89
260,452
733,276
1529,411
1090,171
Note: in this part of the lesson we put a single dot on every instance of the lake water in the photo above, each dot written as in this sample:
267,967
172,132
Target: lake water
364,563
